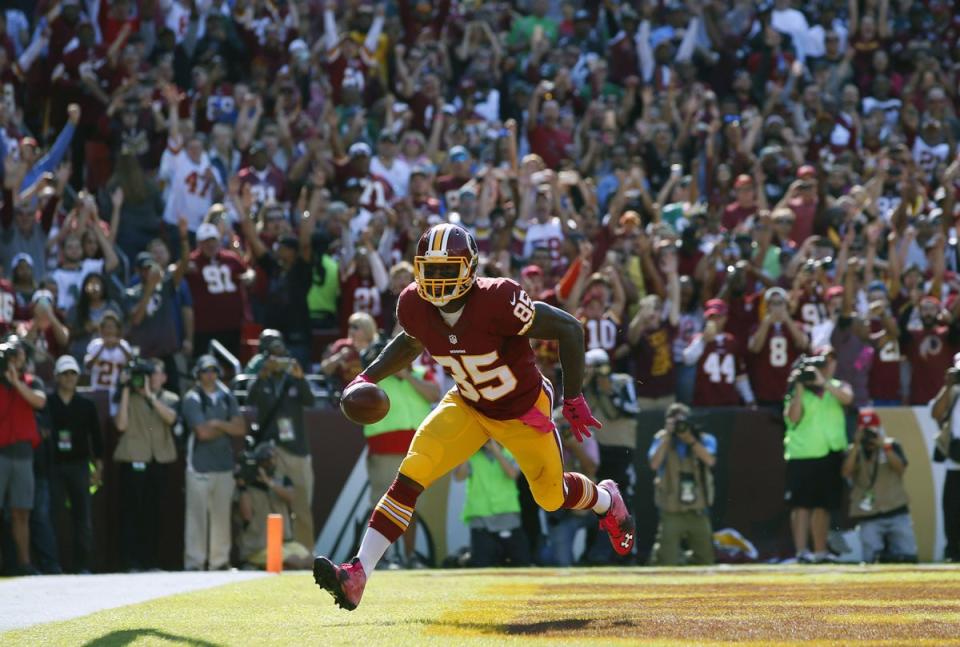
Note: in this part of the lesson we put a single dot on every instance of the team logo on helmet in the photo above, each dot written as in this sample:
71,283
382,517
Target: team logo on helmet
445,267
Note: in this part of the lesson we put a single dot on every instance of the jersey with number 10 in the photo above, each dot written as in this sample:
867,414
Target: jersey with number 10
484,351
219,296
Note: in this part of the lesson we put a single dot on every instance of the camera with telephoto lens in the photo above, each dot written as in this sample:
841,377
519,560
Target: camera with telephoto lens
954,374
683,425
870,435
138,371
252,460
809,368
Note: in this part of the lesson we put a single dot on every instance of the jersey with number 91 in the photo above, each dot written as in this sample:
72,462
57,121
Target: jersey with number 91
219,296
484,352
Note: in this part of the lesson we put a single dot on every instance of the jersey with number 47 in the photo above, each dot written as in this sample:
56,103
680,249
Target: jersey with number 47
219,296
484,352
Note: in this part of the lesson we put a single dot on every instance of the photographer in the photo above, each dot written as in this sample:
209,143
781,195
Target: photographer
263,490
683,457
76,443
280,393
21,395
212,417
145,418
948,451
613,400
874,466
491,508
269,343
815,437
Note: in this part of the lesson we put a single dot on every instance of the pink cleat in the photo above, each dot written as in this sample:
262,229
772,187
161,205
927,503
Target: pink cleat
617,522
345,582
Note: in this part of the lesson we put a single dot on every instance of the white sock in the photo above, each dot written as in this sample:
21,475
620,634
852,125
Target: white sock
372,548
603,501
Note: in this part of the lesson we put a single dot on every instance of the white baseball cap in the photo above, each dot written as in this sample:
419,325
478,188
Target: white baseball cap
596,356
66,363
206,231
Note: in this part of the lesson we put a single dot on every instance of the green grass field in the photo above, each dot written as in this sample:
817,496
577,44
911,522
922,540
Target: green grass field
757,605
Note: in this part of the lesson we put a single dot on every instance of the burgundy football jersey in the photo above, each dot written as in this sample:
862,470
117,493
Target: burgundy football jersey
360,294
811,310
484,351
8,302
884,383
930,355
266,185
605,333
219,296
770,368
717,371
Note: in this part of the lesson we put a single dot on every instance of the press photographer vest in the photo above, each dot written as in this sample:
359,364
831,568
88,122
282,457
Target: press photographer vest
888,493
667,486
253,538
489,490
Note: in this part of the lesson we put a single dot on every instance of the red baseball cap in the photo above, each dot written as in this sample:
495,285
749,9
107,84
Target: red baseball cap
715,307
806,171
531,270
930,299
743,180
868,418
834,291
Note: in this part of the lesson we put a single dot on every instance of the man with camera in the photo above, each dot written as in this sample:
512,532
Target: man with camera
613,400
815,440
212,418
874,467
682,457
947,450
145,449
76,443
280,393
263,490
21,395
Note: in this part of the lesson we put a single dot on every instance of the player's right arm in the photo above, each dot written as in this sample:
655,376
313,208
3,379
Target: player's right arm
396,356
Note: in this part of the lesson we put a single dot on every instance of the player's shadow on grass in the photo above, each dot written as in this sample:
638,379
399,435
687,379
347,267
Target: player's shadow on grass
128,636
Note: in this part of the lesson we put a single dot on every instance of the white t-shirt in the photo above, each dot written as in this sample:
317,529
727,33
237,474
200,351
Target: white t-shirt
189,186
106,370
69,281
548,234
398,175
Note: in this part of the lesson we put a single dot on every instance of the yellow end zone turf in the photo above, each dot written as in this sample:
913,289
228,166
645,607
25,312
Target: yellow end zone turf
748,605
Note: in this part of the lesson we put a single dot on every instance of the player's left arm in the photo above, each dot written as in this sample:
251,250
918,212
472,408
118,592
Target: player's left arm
554,324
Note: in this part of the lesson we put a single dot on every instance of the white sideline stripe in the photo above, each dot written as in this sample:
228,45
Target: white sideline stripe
29,601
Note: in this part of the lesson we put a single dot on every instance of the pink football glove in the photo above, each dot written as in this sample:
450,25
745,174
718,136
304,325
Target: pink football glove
538,420
577,412
360,379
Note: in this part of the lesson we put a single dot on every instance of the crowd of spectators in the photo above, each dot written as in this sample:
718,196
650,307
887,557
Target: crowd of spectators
714,187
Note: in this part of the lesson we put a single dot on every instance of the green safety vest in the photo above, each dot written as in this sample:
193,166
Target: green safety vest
407,407
322,297
489,490
821,430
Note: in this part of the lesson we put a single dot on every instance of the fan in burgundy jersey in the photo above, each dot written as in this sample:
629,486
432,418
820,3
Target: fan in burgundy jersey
884,381
808,301
265,180
774,345
600,310
721,378
930,349
216,280
362,284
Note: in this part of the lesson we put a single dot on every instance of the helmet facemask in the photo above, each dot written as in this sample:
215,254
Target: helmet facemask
441,279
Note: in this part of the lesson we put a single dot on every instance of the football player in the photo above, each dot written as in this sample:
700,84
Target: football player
478,329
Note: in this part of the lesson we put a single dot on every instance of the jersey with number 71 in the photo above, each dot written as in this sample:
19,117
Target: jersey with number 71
485,351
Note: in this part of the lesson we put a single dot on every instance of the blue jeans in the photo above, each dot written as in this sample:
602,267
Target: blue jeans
43,539
686,377
564,525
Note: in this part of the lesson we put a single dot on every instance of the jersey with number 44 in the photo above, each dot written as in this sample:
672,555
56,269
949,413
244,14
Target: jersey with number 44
219,297
717,371
484,352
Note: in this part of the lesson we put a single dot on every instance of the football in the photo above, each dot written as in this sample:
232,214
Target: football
364,403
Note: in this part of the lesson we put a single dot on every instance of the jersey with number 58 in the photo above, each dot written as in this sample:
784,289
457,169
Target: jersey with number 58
484,352
219,296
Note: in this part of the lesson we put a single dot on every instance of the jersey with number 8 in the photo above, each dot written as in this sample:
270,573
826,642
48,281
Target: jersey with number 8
484,352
